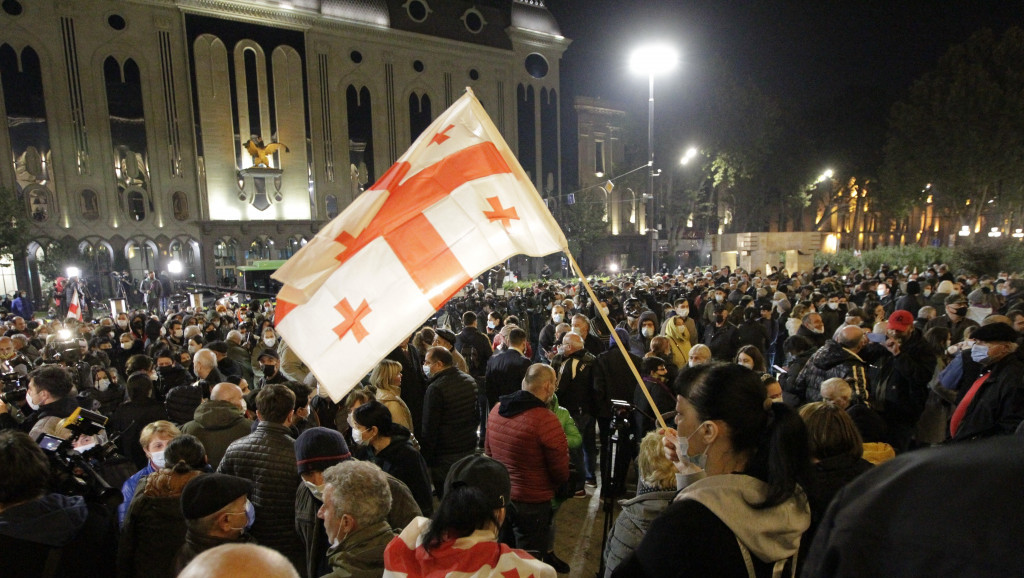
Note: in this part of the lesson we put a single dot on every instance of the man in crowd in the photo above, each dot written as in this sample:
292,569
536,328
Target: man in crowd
838,357
217,511
47,534
219,421
507,368
528,439
574,367
450,416
267,458
49,397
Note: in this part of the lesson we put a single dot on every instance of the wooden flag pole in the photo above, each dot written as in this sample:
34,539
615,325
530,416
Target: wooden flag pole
615,336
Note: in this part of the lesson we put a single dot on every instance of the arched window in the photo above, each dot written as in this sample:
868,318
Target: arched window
332,206
136,205
90,205
179,202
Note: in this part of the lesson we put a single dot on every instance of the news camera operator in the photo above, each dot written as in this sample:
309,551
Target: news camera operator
49,399
50,534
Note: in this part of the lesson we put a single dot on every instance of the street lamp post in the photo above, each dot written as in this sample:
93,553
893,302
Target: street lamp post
652,60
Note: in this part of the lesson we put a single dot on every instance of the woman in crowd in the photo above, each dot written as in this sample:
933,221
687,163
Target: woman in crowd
655,490
154,527
837,454
390,448
462,535
679,338
387,378
742,462
750,357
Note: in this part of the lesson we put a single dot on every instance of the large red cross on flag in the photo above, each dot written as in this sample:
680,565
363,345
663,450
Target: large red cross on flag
74,308
455,204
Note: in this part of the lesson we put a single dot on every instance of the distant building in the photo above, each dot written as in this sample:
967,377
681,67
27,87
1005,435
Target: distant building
126,122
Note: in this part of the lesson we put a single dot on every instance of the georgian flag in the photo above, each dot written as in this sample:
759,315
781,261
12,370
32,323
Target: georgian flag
454,205
74,308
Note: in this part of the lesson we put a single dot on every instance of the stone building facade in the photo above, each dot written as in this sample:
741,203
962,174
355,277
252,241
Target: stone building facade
127,123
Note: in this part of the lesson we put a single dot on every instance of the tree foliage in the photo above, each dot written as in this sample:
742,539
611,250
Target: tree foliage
15,232
961,128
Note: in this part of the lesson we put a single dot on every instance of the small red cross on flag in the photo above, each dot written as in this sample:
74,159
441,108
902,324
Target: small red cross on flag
408,244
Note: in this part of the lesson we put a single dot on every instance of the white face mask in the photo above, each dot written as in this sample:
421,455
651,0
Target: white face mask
491,325
648,332
158,459
833,306
126,345
178,333
317,491
31,402
270,341
122,323
193,348
881,291
682,312
103,384
557,317
719,298
426,370
85,448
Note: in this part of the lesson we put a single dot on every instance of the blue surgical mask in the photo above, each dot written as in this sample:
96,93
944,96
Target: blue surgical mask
250,516
683,450
979,352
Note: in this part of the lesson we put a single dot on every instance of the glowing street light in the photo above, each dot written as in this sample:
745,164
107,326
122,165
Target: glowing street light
825,176
690,154
73,272
614,268
174,267
652,59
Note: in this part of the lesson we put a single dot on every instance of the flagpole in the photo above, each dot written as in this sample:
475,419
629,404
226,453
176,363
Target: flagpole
615,336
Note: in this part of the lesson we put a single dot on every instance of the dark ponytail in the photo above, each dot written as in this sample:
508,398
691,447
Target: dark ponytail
464,510
783,456
771,433
375,414
186,452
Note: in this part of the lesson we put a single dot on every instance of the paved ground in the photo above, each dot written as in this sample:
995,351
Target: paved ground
580,522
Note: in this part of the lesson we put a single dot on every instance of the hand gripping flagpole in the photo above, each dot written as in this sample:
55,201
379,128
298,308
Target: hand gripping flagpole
615,336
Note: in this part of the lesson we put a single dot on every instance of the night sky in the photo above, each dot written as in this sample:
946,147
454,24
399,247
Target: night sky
842,62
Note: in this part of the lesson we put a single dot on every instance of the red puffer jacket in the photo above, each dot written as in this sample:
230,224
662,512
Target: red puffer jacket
525,435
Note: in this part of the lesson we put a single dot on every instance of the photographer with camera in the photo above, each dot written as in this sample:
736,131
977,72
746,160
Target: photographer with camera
49,397
51,534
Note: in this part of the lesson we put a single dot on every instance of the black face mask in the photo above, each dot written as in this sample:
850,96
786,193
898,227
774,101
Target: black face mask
960,311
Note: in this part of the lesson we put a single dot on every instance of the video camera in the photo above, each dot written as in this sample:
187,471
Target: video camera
73,472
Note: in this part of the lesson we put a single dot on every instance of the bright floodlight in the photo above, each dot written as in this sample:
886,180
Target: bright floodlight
74,271
613,268
653,59
690,153
174,267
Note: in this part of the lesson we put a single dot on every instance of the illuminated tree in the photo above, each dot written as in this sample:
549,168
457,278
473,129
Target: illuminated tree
961,129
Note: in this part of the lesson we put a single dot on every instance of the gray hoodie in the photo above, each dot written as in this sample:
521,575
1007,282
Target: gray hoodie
771,534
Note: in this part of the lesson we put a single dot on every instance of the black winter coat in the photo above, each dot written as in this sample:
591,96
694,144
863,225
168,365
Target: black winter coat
905,379
998,407
576,381
414,386
402,461
613,380
267,458
505,373
182,402
831,360
128,420
450,416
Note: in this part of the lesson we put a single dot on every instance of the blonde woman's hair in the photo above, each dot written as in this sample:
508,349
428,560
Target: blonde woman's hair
385,372
162,427
655,469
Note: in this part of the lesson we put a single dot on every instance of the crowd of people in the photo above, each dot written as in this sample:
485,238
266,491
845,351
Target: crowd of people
456,453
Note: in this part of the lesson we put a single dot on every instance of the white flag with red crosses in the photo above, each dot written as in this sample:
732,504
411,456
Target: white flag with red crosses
455,204
74,308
